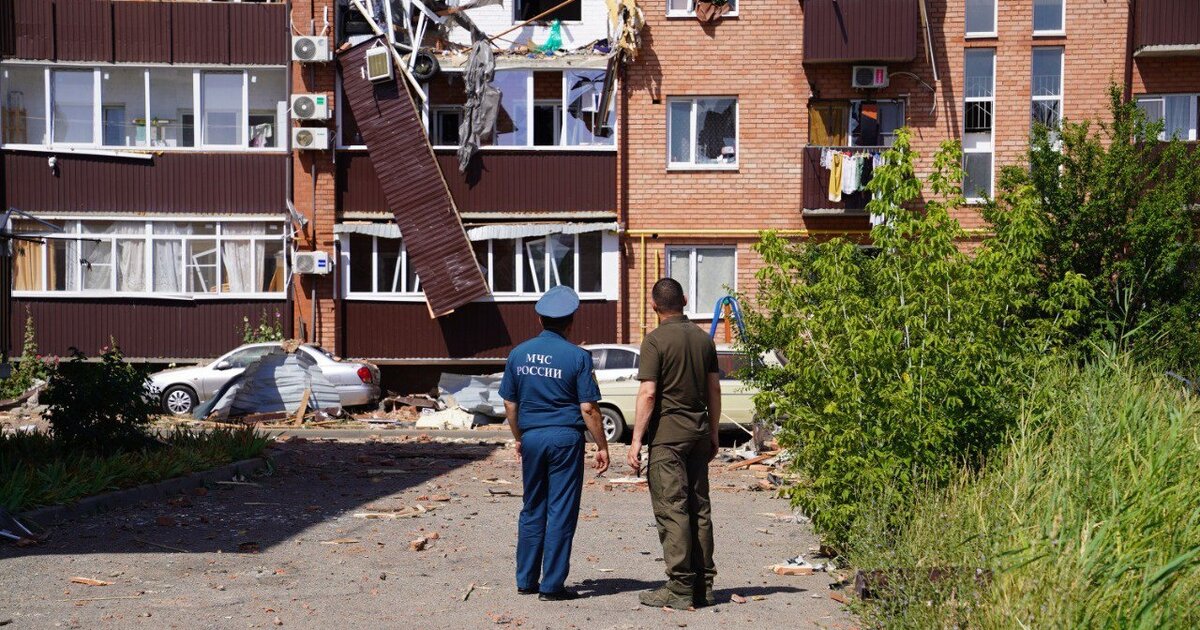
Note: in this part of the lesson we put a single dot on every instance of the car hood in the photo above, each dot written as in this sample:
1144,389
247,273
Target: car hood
175,373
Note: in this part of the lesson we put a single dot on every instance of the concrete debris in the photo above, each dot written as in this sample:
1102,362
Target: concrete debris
89,581
446,419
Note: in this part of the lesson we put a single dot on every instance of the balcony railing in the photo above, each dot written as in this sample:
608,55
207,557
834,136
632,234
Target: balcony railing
816,184
1166,28
847,31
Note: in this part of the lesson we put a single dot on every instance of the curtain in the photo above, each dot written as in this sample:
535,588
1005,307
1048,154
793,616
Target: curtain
242,261
27,266
96,260
131,256
168,257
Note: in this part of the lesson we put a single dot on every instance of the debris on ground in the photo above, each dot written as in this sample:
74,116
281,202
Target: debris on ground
89,581
800,566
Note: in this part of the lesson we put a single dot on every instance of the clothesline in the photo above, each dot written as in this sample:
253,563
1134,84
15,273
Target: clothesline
850,172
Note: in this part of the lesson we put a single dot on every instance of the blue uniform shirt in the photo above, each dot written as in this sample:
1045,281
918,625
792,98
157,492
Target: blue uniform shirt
549,377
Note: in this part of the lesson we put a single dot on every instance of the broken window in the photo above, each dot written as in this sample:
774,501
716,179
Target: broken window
979,79
706,274
529,9
139,257
682,8
1047,87
24,105
702,132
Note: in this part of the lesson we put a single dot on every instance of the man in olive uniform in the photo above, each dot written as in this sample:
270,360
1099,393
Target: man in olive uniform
678,415
550,394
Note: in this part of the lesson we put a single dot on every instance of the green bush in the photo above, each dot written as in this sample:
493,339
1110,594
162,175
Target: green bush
31,367
99,407
267,329
906,363
1087,519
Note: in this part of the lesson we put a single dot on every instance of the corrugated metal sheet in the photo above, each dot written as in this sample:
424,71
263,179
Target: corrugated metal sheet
413,185
83,30
143,328
816,186
8,29
34,29
258,34
200,32
861,30
7,315
171,182
389,330
142,31
1167,23
529,181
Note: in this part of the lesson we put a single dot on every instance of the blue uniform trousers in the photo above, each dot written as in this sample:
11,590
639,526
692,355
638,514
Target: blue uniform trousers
552,469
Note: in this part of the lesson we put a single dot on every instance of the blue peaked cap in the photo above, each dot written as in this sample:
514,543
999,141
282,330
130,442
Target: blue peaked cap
560,301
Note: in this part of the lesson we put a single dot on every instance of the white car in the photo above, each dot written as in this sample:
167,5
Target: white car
181,390
613,361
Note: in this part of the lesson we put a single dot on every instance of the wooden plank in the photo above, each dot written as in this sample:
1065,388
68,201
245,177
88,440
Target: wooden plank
298,417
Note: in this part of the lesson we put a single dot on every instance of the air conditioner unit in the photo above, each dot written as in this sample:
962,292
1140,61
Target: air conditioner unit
306,48
316,263
379,64
310,138
869,77
310,107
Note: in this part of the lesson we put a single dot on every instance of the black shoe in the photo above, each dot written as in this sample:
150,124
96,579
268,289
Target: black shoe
527,591
558,596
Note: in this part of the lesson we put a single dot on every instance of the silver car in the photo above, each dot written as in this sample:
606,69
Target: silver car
183,389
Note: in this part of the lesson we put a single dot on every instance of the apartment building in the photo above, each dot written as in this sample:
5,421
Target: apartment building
165,153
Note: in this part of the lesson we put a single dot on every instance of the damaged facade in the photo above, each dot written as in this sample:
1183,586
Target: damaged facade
174,159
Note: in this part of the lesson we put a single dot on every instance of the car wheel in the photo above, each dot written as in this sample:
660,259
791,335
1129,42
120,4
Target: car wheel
179,400
613,423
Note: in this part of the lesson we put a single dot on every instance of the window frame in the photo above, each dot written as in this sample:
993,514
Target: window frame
988,147
689,309
691,10
1050,32
1062,80
98,103
516,19
148,238
693,165
608,270
984,34
1193,132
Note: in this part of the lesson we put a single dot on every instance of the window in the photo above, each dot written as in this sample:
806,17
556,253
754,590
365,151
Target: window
978,106
706,273
128,107
524,267
158,256
702,132
617,359
1047,87
554,108
1049,16
854,123
1178,113
529,9
980,19
687,8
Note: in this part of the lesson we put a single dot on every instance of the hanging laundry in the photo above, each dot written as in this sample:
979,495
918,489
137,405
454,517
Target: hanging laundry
835,177
850,166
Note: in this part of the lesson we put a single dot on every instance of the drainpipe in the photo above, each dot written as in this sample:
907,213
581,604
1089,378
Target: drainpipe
288,241
642,290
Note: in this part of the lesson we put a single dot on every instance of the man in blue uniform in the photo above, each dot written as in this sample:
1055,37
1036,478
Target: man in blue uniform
550,394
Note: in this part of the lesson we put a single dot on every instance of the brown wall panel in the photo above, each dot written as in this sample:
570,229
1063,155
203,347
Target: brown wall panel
83,30
143,328
8,29
258,34
142,31
34,29
200,32
816,186
379,330
170,182
542,181
1167,23
861,30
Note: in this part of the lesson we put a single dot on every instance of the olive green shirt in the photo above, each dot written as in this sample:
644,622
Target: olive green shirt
678,357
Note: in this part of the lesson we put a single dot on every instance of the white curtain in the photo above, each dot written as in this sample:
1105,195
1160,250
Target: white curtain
243,260
168,257
131,256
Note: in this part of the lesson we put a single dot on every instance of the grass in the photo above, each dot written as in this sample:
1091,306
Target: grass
1090,517
35,472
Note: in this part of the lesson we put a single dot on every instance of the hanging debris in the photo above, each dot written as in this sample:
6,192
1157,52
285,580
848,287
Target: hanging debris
483,102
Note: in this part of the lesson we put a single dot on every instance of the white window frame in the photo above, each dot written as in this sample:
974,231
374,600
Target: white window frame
693,250
981,147
1062,79
1193,133
97,143
737,134
339,107
426,113
1051,32
149,238
984,34
691,10
516,7
608,272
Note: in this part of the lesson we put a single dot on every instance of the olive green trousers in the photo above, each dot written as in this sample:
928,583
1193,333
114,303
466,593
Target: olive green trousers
678,479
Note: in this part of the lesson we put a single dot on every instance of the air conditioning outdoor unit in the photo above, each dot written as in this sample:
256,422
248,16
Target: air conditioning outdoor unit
306,48
310,138
316,263
869,77
310,107
379,64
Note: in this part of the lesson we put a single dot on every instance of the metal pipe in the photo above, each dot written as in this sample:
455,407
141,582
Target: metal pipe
642,292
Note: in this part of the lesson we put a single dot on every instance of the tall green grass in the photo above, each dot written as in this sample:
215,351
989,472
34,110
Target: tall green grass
1090,517
36,471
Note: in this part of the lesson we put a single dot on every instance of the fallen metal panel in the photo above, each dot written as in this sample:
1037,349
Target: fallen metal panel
413,186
